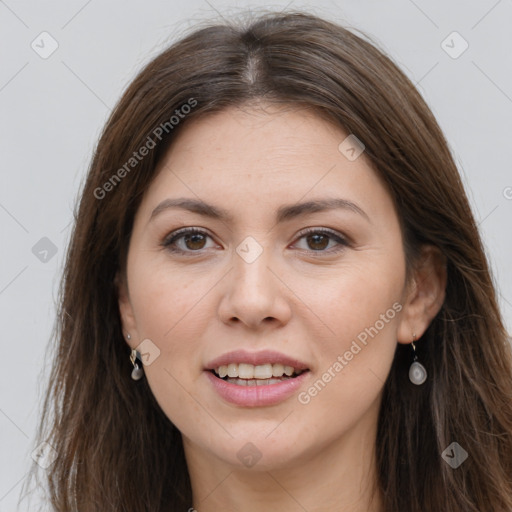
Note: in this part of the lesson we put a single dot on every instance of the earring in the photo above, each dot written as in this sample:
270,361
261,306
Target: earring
417,372
137,372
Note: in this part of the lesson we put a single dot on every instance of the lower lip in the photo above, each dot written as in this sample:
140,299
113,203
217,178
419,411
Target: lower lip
256,396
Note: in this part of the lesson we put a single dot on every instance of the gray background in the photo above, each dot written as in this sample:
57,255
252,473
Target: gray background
52,111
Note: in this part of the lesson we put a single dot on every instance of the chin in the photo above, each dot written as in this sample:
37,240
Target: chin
258,452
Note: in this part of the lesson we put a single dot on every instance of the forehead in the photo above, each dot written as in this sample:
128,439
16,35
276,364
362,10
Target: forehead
261,155
257,133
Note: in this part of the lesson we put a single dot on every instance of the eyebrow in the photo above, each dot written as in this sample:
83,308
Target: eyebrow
284,213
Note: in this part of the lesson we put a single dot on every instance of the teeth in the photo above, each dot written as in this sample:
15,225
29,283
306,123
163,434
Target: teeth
256,382
232,370
250,372
246,371
263,371
277,370
288,370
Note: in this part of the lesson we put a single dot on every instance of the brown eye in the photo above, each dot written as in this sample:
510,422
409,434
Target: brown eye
194,241
186,241
318,240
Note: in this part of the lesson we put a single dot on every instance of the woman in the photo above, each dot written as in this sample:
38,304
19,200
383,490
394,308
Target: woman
276,296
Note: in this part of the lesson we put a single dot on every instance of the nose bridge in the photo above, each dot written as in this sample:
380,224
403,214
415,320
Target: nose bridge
253,292
251,263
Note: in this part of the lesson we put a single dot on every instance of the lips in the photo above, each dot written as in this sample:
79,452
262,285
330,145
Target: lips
264,394
247,378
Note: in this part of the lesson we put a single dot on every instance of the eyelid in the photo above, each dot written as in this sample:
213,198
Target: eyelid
329,231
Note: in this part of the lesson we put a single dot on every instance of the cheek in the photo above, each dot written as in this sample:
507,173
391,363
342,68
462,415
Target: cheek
352,299
360,312
355,362
167,308
165,299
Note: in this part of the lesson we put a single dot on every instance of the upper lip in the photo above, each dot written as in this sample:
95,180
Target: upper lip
256,358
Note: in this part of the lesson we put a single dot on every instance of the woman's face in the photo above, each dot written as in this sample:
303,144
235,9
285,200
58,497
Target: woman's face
321,287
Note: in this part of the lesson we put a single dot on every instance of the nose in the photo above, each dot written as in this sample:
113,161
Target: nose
254,293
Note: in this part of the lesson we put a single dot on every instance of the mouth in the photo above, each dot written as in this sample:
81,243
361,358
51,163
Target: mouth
243,374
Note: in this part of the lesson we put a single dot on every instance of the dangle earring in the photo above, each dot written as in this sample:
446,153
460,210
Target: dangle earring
137,372
417,372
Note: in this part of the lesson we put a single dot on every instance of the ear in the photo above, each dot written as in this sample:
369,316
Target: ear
424,295
126,311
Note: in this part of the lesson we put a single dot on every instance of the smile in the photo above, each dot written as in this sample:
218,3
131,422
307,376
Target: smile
256,392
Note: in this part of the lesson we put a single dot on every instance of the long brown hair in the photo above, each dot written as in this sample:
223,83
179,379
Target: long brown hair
116,450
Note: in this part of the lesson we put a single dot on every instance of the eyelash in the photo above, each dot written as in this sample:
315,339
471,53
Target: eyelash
171,239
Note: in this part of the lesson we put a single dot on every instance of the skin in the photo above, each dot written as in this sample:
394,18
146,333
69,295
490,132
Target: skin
298,297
